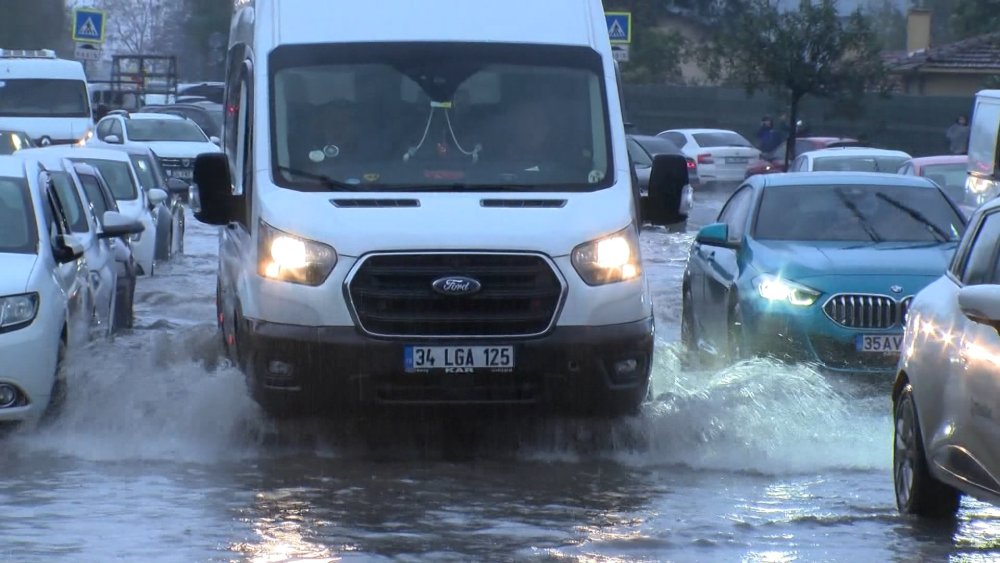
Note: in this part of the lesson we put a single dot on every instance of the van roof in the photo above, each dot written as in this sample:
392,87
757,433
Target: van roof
988,94
556,22
41,68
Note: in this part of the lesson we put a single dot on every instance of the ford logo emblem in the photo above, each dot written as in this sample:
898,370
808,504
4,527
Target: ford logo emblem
456,285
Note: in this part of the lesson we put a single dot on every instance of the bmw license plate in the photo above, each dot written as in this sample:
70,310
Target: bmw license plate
878,342
458,359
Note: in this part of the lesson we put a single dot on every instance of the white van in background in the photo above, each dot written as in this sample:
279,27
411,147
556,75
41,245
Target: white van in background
983,182
432,205
44,96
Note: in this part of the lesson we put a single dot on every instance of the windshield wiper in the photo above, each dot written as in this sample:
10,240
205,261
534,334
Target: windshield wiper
325,181
938,231
869,230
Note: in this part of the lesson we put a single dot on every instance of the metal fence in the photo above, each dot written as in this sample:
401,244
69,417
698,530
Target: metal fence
915,124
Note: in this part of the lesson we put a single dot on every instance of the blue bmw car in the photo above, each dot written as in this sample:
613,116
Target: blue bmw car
817,268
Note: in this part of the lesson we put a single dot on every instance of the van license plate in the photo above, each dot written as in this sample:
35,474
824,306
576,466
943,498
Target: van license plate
458,359
878,342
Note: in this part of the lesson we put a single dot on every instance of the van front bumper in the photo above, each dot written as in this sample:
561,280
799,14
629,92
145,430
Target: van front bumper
574,370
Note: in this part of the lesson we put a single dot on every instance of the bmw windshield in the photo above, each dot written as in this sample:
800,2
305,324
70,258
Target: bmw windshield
857,214
18,233
439,117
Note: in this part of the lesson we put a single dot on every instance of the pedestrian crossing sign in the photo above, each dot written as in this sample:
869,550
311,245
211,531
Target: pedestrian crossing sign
88,25
619,27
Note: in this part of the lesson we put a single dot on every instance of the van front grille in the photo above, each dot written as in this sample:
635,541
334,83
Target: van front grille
395,295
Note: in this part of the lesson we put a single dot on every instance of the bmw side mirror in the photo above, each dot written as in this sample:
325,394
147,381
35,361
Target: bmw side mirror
212,198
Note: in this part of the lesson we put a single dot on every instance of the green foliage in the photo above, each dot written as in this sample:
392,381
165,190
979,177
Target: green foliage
975,17
39,24
792,54
656,57
207,25
890,24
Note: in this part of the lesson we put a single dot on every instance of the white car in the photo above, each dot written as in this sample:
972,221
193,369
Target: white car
721,156
849,159
176,140
45,291
134,202
947,389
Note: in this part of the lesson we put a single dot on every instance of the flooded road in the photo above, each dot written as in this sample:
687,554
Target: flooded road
162,456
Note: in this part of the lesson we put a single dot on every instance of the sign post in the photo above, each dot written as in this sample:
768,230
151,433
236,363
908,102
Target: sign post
620,34
88,32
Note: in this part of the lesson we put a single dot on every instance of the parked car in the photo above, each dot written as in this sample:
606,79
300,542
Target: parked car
102,201
849,159
816,268
177,141
983,181
46,298
947,384
134,202
774,161
211,91
170,213
642,149
947,171
13,141
208,115
720,155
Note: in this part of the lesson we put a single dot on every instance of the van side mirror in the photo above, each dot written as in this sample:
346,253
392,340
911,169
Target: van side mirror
212,198
667,181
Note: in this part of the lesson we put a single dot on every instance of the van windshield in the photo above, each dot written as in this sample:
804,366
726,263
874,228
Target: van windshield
438,117
43,97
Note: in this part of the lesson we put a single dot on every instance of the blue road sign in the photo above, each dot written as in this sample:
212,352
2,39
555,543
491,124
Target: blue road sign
619,27
88,25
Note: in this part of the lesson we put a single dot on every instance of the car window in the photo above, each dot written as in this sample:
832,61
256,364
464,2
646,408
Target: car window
735,212
96,196
638,154
799,164
981,260
721,139
118,176
71,203
104,128
116,128
946,175
17,224
906,169
857,163
857,213
676,138
144,169
164,130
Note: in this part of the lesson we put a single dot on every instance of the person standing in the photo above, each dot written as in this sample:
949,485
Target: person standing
958,136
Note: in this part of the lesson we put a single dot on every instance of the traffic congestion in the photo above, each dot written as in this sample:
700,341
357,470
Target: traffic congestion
404,292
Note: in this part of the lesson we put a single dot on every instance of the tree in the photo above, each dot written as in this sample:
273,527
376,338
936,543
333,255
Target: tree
975,17
792,54
206,35
143,26
39,24
655,54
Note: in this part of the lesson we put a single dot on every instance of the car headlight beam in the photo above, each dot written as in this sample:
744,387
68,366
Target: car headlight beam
774,288
286,257
611,259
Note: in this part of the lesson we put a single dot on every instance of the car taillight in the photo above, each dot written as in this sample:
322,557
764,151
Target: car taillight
705,159
691,163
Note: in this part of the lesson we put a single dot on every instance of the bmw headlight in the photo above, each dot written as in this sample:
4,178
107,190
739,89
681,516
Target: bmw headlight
774,288
611,259
286,257
17,311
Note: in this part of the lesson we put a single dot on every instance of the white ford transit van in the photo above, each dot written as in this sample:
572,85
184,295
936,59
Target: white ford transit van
430,203
44,96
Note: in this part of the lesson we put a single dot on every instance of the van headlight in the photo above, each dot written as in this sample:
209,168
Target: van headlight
17,311
286,257
611,259
773,288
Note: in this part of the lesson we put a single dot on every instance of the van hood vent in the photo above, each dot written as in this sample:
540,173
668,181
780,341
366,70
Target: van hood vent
375,202
523,202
